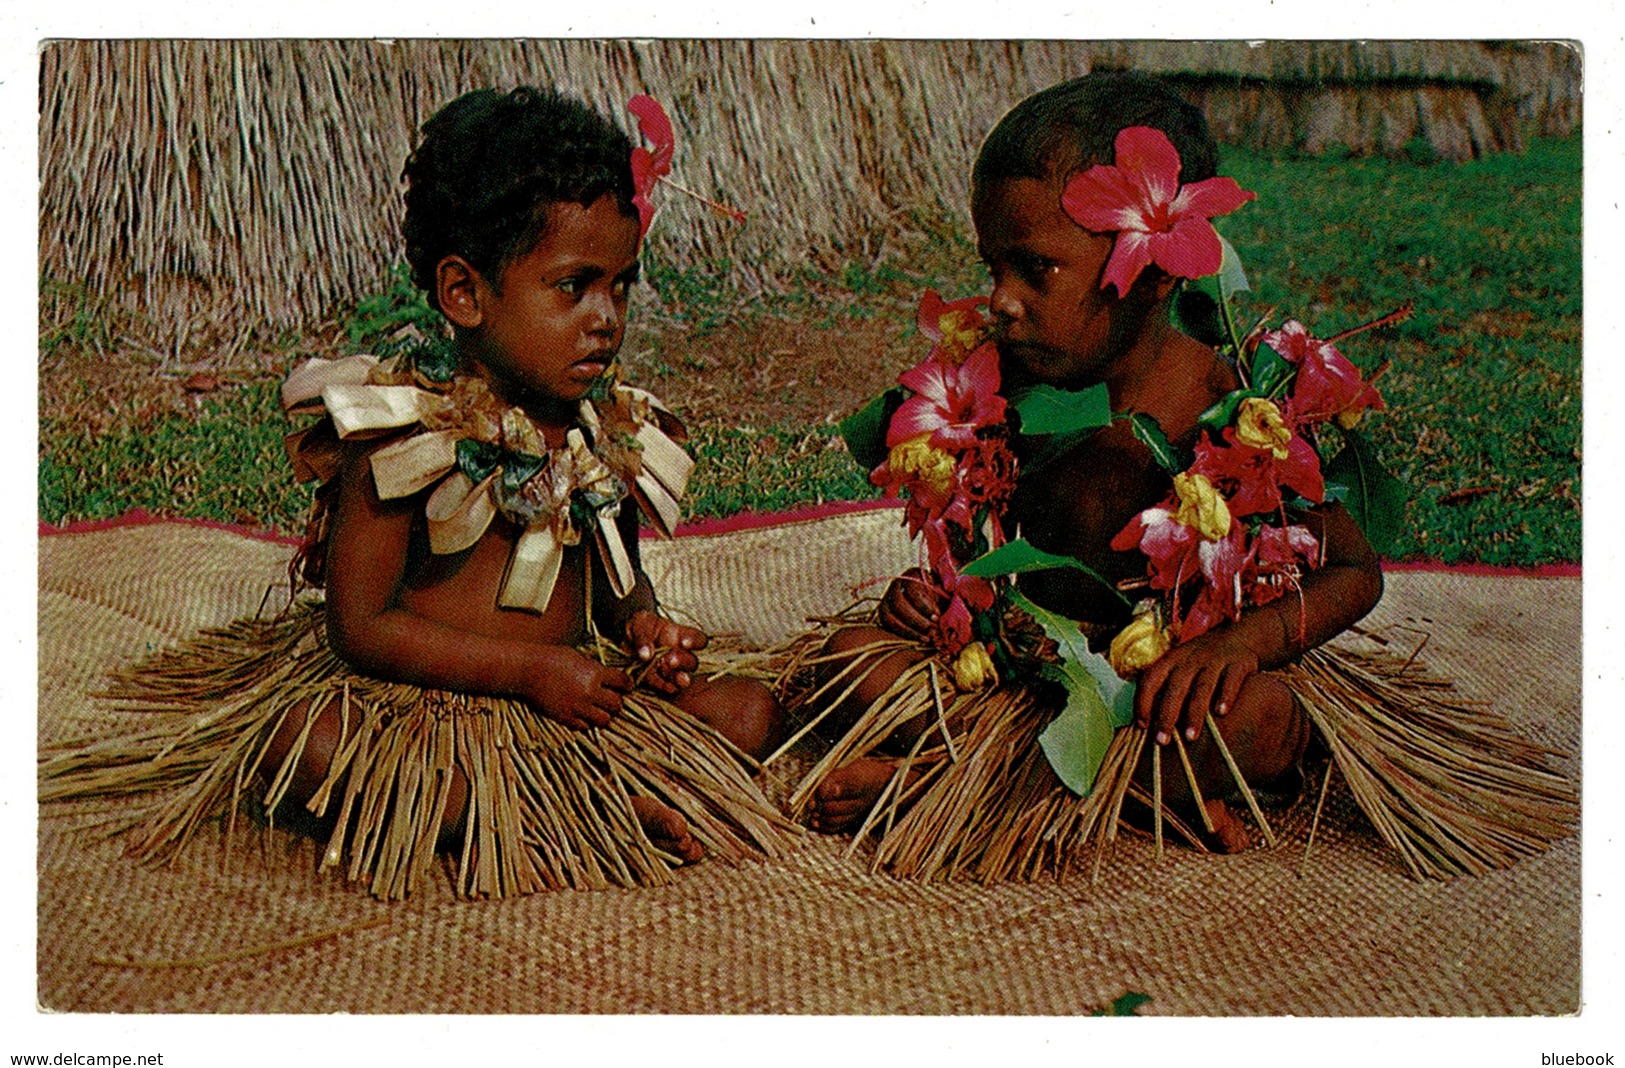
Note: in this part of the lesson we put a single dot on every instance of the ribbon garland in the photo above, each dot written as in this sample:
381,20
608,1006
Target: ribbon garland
484,458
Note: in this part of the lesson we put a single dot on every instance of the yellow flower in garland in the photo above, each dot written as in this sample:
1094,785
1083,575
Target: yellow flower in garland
917,458
1139,645
961,330
959,327
1260,425
1201,507
974,668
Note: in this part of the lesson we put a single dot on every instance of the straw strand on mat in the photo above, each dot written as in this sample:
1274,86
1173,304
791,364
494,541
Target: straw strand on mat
548,807
1446,783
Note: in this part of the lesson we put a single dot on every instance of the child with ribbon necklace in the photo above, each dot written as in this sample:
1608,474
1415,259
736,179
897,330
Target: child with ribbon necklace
1066,431
490,673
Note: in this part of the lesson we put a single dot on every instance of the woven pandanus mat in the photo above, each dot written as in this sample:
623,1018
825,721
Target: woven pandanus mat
247,925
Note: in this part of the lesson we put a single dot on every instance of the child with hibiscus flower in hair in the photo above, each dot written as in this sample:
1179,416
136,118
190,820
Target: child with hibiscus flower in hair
489,673
1066,429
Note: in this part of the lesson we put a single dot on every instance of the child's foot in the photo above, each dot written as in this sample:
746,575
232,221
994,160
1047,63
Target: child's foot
1230,834
842,800
667,829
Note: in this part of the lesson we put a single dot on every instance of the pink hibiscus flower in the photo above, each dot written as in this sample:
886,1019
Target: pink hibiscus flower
1155,218
1222,563
949,403
1327,384
1169,545
965,593
1278,553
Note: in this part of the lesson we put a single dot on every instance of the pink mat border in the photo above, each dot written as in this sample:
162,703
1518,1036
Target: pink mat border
758,521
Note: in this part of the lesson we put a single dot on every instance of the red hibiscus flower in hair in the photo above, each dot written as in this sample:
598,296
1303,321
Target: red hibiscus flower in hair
648,167
949,403
1156,219
1327,383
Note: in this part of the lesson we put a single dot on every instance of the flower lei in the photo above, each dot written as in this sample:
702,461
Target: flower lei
1222,541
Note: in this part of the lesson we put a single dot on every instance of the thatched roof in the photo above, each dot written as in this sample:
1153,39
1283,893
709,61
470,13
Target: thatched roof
261,178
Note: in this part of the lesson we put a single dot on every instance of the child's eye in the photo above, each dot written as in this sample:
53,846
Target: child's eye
571,286
1034,269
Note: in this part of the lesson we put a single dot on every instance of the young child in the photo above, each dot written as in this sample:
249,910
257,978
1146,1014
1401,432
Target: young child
1072,307
477,530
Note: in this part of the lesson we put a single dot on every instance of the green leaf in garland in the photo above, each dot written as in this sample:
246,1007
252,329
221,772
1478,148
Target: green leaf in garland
1375,498
1223,412
1044,409
1270,370
1196,313
477,459
1021,556
519,468
435,359
1232,278
1151,436
865,430
1098,702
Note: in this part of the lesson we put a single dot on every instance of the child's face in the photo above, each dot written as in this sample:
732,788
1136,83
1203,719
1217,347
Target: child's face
561,312
1053,321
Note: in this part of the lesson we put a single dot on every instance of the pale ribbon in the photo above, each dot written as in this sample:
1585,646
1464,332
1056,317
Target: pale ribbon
459,511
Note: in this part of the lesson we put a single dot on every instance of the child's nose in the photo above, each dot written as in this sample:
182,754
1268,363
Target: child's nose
1004,304
603,316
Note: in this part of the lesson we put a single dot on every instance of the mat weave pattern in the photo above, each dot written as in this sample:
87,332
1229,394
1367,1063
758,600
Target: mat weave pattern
813,932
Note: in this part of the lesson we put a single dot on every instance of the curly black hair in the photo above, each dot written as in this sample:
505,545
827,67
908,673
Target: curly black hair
489,166
1074,125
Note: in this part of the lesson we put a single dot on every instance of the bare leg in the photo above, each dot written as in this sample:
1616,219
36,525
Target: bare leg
742,710
1267,734
850,791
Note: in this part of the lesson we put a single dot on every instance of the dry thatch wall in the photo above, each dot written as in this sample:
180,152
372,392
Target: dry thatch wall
196,180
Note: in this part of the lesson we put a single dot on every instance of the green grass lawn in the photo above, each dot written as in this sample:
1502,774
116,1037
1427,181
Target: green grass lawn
1484,390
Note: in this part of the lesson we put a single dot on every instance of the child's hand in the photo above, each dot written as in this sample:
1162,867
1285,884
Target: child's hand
649,633
576,690
1189,681
910,606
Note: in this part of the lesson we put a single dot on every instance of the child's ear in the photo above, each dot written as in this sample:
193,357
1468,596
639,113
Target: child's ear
1166,284
457,290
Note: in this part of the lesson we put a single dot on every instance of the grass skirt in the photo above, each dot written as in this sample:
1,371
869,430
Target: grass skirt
548,807
1445,782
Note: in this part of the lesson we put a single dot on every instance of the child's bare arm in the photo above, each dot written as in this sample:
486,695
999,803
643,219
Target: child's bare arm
1206,673
636,620
370,629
